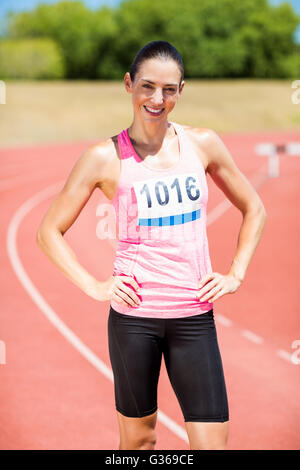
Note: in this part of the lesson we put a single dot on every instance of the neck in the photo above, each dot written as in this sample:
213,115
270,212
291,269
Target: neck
150,135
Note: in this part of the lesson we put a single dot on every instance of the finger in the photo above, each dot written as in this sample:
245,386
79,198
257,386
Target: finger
121,282
131,281
129,292
207,287
218,295
126,298
206,278
210,294
120,300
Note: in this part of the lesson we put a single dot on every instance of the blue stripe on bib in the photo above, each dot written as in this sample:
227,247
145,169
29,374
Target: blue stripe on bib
170,219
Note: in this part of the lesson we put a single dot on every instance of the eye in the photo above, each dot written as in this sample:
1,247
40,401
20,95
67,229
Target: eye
167,89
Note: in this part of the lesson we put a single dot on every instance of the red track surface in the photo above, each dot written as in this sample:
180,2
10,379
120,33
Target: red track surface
51,397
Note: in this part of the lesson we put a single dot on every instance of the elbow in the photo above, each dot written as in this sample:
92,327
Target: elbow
45,235
263,218
42,236
258,210
39,237
263,211
261,214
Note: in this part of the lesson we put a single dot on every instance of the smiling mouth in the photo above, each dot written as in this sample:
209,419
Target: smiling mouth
153,112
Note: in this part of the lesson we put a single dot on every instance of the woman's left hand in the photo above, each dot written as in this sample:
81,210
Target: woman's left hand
213,285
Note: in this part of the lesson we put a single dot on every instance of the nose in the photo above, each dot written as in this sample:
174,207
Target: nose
158,97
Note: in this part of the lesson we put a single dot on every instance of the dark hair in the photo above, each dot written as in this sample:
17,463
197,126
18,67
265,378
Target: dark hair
153,50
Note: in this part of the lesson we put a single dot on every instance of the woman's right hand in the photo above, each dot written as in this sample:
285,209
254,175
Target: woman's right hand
115,288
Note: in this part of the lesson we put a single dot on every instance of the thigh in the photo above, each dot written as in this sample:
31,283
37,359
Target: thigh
195,369
135,355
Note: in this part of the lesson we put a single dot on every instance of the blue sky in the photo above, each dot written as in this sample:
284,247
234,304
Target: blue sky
25,5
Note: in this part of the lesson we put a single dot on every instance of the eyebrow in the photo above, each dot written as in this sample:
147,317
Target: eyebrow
153,83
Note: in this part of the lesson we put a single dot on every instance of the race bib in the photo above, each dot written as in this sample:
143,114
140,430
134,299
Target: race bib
168,200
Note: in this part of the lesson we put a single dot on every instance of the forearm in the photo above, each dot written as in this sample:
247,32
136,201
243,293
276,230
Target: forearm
53,244
248,239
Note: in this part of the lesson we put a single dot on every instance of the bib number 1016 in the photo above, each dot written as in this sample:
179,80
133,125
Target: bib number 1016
168,196
162,193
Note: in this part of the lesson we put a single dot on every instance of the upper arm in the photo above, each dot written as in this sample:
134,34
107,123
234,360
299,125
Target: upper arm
84,177
226,174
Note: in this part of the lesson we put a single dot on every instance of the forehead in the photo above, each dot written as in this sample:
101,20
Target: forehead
160,71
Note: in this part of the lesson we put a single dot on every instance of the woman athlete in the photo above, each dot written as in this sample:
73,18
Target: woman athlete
162,288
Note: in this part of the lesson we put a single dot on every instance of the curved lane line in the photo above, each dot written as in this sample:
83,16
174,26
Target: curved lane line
13,227
45,308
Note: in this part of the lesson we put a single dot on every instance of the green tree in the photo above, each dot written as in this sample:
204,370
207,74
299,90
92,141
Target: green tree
30,59
216,38
271,50
80,33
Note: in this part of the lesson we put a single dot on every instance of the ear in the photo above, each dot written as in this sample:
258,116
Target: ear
128,82
181,87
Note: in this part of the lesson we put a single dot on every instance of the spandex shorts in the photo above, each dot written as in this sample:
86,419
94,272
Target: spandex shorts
192,358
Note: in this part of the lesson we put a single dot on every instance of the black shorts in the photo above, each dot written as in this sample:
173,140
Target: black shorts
192,358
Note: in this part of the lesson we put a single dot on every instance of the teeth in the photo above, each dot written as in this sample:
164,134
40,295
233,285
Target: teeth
153,110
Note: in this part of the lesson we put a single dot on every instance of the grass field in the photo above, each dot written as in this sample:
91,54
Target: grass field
50,112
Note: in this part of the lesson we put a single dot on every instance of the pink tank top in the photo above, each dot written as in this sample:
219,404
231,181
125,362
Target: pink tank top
161,224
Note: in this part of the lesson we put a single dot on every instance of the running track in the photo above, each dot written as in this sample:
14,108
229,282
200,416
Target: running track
56,382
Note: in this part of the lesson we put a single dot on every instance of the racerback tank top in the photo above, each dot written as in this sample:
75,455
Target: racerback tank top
161,225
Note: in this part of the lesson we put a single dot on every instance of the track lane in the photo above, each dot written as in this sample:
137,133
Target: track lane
87,325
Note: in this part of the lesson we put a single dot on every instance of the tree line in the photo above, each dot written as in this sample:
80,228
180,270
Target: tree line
216,38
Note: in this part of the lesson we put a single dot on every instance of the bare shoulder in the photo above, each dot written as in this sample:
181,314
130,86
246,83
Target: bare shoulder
100,159
220,163
102,152
202,136
204,140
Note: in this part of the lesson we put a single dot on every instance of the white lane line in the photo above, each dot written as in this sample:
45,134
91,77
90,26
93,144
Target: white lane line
45,308
218,211
13,182
257,179
252,336
54,318
172,426
223,320
285,355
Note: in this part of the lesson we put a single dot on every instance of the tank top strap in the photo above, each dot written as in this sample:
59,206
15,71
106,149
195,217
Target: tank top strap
124,145
187,150
183,138
190,159
178,128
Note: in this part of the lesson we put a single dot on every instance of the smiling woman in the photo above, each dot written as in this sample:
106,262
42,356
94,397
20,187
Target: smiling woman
159,95
154,173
